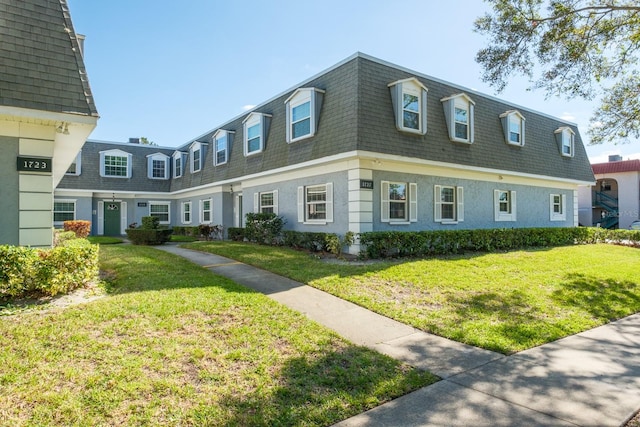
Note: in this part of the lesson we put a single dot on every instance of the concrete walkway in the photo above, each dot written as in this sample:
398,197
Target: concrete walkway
589,379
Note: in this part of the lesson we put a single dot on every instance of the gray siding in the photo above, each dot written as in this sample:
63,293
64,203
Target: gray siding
9,195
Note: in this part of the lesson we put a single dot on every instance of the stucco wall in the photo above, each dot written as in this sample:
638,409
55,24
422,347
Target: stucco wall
9,220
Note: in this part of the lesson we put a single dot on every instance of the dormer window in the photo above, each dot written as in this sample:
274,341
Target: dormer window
409,99
178,164
303,113
115,164
513,127
565,137
157,166
222,139
458,113
255,128
195,156
75,167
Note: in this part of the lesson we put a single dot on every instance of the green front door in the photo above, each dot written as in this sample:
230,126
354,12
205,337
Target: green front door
112,218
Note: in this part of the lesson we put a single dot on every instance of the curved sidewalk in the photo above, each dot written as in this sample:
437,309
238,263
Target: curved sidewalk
589,379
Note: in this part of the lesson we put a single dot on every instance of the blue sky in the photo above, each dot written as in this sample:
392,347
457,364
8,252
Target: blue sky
171,71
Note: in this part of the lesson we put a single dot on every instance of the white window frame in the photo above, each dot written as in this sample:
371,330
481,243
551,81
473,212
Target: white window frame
195,147
463,102
218,136
509,215
78,163
385,203
157,157
72,201
184,212
299,97
412,87
303,204
566,140
457,204
203,211
252,120
509,118
115,153
156,203
257,201
560,201
178,159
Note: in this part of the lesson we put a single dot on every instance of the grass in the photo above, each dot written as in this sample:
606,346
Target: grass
505,302
177,238
173,344
104,240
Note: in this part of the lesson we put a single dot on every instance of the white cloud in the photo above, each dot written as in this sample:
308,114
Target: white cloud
568,116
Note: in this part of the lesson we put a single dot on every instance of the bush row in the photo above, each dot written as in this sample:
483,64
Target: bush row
26,271
81,228
386,244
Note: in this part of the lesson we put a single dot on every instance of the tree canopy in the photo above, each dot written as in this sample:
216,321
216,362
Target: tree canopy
570,48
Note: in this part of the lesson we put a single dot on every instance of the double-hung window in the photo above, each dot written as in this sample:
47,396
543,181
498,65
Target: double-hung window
64,210
186,212
266,202
221,142
315,204
459,116
303,111
158,166
161,211
255,131
178,164
75,167
448,202
557,207
115,164
504,205
206,215
399,202
409,99
565,137
513,127
195,156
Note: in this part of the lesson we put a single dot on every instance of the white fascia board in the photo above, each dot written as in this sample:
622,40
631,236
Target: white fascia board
47,116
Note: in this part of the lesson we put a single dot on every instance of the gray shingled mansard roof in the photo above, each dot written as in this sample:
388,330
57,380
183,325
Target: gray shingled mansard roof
357,114
41,66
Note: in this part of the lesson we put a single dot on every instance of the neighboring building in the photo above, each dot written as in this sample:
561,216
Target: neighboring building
46,114
363,146
614,200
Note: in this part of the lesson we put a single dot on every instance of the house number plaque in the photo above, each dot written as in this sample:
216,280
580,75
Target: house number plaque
366,184
34,164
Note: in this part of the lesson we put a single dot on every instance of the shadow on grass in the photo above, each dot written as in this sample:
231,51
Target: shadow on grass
319,391
604,299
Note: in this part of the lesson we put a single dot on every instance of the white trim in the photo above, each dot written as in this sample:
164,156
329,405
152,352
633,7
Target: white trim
123,218
202,211
160,157
221,133
115,153
182,212
161,203
100,218
504,216
562,216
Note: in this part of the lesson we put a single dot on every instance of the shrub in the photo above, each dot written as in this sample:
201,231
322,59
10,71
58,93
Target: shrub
317,242
25,271
149,233
236,234
264,228
80,227
385,244
60,237
191,231
209,232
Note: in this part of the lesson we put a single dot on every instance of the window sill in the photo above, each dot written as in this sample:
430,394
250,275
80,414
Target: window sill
300,138
399,222
411,131
448,222
315,223
463,141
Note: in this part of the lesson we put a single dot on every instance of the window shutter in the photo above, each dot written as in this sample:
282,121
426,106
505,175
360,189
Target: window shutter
123,217
300,204
413,202
329,202
288,120
522,126
564,206
275,202
100,218
450,116
471,133
256,202
149,167
437,203
384,201
460,201
513,206
200,212
496,205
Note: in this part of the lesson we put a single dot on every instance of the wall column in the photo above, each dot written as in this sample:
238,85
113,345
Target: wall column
360,205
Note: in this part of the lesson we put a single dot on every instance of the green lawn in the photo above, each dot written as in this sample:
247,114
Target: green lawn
505,302
173,344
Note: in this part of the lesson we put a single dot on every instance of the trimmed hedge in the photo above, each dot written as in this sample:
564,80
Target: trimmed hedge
142,236
80,227
25,271
391,244
236,234
191,231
